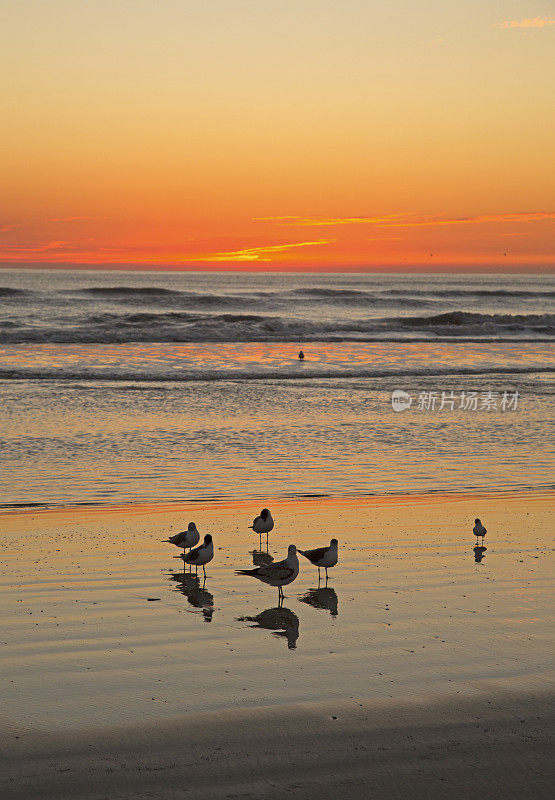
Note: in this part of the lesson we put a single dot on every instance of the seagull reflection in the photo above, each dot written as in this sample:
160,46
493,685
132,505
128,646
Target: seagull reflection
323,597
261,557
479,551
199,597
281,621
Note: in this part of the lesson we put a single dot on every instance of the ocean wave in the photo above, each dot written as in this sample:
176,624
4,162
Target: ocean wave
471,323
359,297
332,293
169,298
440,292
181,326
376,297
126,291
182,298
9,291
118,374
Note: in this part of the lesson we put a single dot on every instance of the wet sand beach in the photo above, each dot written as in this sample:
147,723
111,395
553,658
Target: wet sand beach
495,748
416,666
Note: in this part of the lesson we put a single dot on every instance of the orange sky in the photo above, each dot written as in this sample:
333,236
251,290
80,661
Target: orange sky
264,135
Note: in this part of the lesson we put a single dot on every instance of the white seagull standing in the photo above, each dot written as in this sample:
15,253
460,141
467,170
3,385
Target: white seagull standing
263,524
479,530
322,557
201,555
188,538
279,574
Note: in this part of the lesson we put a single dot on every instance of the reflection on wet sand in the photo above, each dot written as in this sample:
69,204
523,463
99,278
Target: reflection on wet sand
281,621
261,557
199,597
323,597
479,551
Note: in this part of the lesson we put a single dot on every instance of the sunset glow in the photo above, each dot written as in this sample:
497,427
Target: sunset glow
278,136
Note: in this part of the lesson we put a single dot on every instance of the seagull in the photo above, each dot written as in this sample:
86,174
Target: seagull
200,555
263,524
325,557
279,574
479,529
188,538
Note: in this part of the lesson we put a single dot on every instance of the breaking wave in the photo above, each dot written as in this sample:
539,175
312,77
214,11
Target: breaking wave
469,323
9,291
183,326
127,291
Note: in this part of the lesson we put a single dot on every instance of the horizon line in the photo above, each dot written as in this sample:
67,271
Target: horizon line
109,266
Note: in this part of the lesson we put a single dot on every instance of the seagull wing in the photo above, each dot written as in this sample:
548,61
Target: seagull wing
178,538
276,572
279,571
191,557
315,555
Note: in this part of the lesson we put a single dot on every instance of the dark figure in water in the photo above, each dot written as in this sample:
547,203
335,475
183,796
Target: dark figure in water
301,355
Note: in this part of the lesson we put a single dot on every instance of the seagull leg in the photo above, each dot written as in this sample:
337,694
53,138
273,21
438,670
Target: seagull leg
204,570
326,574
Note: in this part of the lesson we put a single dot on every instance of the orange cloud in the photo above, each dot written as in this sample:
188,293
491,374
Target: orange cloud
530,22
318,221
411,220
255,253
73,219
30,249
519,216
6,228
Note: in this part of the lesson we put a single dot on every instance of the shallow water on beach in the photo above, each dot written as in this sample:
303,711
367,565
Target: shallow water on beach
126,387
112,442
102,626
